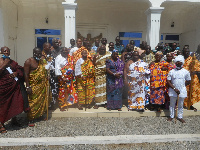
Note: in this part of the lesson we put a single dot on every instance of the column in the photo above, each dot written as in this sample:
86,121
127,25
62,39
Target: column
153,25
1,29
70,20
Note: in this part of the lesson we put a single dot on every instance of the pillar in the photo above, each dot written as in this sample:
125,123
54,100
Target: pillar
70,20
153,25
1,29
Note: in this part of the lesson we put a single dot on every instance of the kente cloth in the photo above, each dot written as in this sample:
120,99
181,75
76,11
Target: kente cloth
92,53
77,54
149,58
158,80
67,93
11,99
114,85
39,97
100,78
195,97
85,89
138,83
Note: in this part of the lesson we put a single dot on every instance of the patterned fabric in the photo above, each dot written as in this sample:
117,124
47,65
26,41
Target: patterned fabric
158,81
11,99
92,53
53,77
67,94
86,89
77,54
149,58
100,78
38,99
195,83
114,85
138,82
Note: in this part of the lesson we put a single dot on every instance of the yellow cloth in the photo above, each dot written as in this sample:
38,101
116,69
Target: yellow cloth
38,99
100,78
86,89
77,54
195,83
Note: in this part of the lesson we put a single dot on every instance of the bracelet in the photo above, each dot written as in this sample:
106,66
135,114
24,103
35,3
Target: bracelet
174,88
28,87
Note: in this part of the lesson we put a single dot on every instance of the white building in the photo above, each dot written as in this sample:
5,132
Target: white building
141,20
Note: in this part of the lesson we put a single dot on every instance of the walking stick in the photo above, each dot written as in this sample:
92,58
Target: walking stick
192,80
47,103
85,94
176,107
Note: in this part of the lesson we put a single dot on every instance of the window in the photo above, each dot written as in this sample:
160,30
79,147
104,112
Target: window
46,35
127,36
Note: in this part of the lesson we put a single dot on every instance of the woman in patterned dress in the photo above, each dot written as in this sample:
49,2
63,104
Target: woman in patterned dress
136,76
114,70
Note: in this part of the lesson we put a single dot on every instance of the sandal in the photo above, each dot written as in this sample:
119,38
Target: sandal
193,108
159,110
2,129
31,124
62,109
181,120
80,107
96,107
119,109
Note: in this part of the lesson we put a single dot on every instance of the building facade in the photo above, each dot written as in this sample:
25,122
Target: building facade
25,24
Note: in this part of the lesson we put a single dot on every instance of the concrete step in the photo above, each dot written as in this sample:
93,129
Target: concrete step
103,112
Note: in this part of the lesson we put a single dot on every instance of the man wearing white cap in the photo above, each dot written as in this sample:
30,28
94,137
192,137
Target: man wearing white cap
177,80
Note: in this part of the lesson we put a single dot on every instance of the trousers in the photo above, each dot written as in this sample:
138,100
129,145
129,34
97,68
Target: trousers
180,107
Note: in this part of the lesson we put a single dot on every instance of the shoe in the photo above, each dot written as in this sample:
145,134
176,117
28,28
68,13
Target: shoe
31,123
2,129
181,120
169,119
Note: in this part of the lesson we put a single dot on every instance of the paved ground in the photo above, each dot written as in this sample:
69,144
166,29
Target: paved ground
107,124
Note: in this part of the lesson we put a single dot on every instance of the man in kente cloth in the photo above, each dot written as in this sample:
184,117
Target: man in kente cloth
64,69
78,53
36,85
100,76
11,98
84,72
188,65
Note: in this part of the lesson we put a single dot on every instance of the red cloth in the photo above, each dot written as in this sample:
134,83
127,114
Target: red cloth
11,100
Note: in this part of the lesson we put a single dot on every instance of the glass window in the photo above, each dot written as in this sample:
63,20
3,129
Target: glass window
48,31
41,41
131,34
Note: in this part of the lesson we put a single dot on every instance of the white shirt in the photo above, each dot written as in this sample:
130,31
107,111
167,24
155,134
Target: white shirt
78,70
73,50
60,62
178,78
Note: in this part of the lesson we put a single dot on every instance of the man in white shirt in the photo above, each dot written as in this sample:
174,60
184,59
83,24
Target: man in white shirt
177,80
79,45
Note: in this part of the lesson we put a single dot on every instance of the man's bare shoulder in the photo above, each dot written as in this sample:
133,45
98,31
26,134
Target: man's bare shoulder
29,60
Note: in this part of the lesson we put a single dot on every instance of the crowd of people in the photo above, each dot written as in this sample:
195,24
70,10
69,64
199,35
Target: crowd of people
103,75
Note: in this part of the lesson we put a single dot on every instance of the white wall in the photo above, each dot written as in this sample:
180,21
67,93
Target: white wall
32,16
111,18
9,10
191,31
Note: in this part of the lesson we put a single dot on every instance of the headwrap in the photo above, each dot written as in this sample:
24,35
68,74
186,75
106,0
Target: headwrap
159,53
179,58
